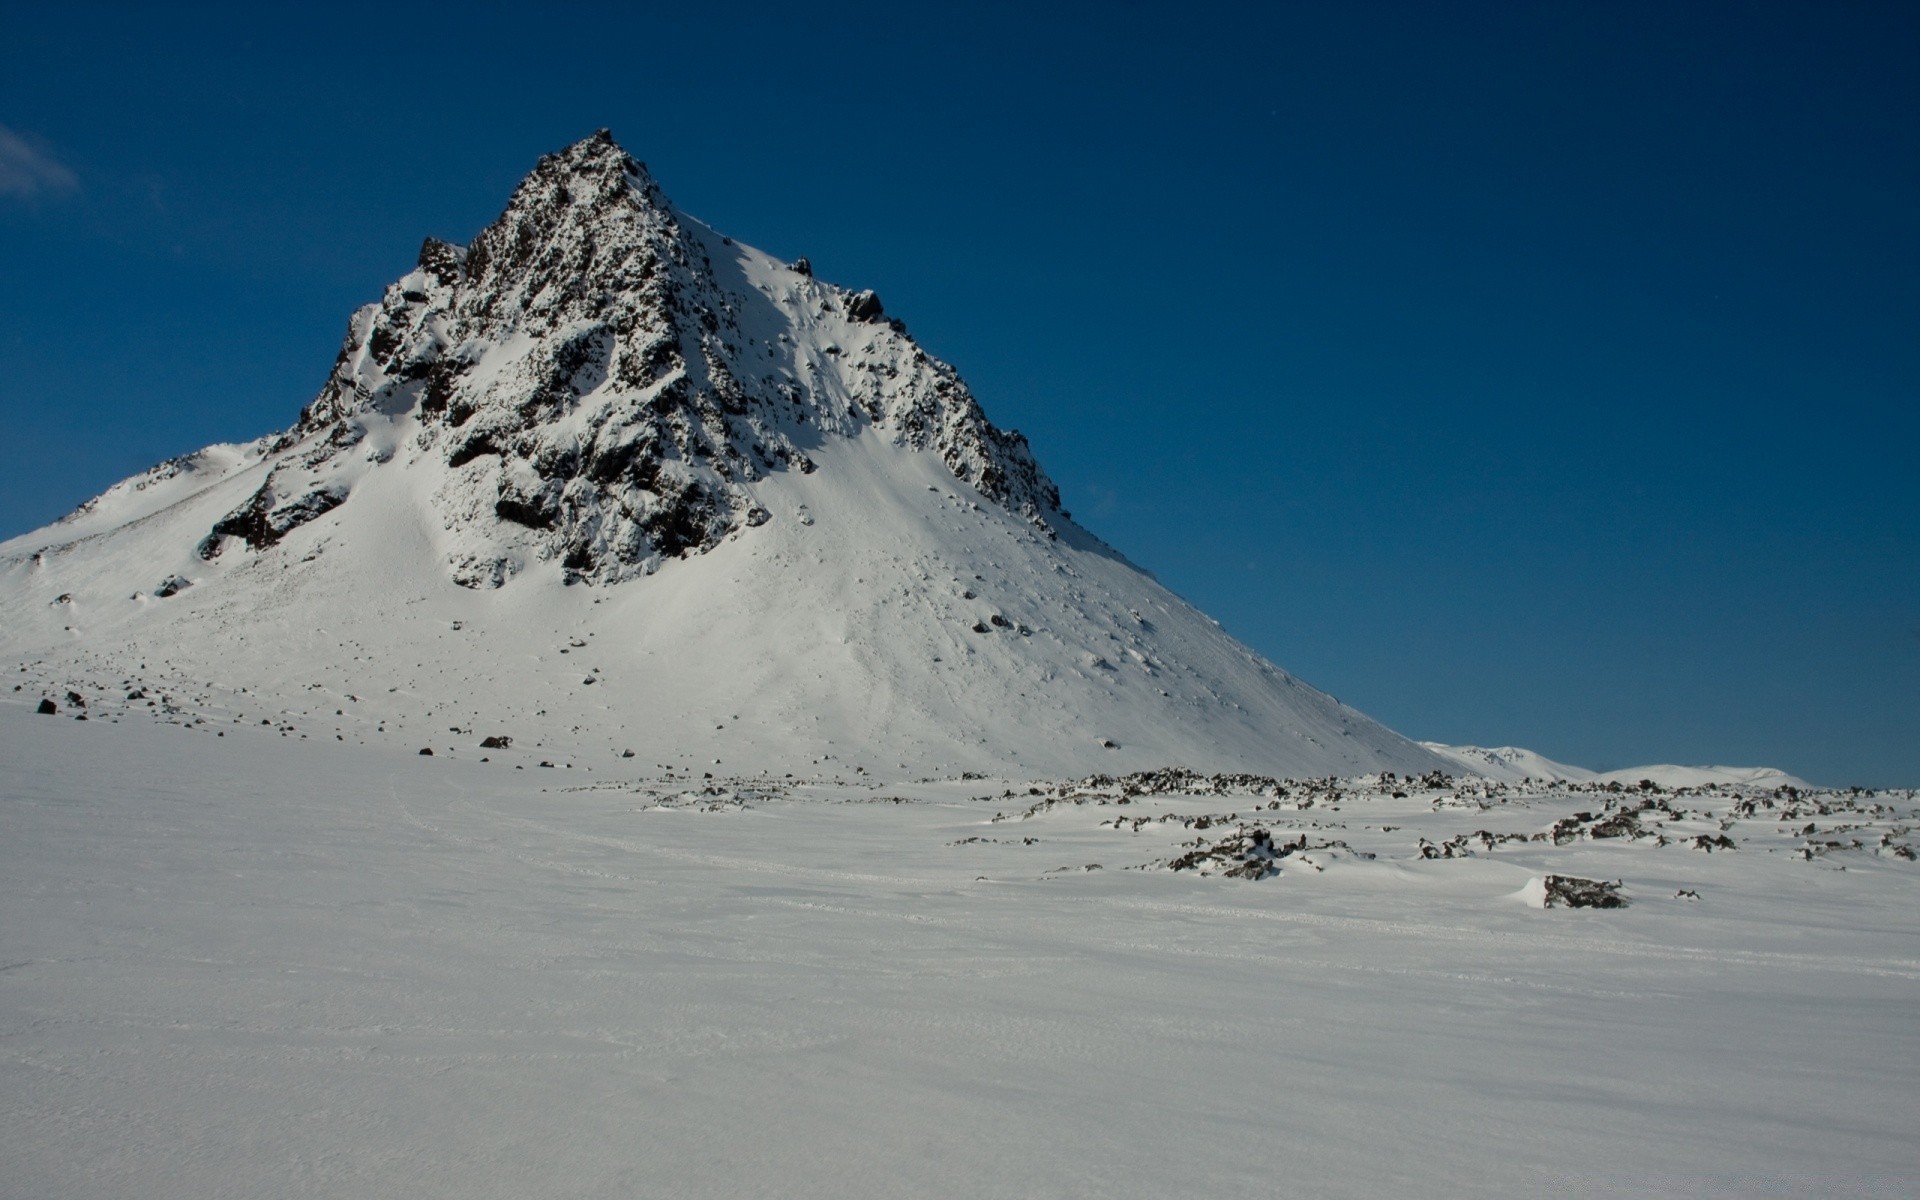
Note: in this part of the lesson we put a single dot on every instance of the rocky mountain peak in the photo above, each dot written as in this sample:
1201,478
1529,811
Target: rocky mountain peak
605,382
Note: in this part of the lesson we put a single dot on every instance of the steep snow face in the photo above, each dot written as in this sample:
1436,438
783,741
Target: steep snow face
608,383
606,480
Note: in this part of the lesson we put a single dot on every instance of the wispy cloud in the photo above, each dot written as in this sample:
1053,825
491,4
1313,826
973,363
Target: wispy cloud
26,171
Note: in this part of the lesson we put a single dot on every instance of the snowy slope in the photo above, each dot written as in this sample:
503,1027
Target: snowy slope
605,480
1509,764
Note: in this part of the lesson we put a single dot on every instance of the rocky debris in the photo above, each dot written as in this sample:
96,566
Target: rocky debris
76,700
427,751
498,741
1624,821
1248,851
172,585
47,708
1461,845
1243,854
1571,891
1231,841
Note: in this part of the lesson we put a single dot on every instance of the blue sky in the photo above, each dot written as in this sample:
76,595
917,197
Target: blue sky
1545,375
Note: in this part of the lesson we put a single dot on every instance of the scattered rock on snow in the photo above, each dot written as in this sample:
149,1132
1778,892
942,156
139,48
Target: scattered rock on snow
1571,891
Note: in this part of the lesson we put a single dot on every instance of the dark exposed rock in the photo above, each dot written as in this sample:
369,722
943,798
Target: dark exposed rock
427,751
1246,853
172,585
621,419
1570,891
265,518
499,741
530,513
47,708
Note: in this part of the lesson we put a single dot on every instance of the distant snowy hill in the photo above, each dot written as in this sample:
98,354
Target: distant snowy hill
1669,775
604,481
1511,764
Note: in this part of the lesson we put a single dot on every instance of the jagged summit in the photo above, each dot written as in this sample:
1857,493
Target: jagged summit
607,381
606,479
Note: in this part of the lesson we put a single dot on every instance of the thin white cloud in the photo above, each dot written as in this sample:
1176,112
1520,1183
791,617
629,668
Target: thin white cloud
28,172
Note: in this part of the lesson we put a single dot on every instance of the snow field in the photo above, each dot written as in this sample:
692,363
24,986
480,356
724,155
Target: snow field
255,966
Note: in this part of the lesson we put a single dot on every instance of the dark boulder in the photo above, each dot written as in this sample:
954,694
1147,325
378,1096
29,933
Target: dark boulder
1570,891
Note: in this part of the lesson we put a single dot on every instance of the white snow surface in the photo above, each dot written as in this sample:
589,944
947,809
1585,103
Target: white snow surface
251,965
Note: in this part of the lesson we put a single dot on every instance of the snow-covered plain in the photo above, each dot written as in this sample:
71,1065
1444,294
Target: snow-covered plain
255,966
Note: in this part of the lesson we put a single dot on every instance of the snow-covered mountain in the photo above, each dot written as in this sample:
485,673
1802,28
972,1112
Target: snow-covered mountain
606,480
1512,764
